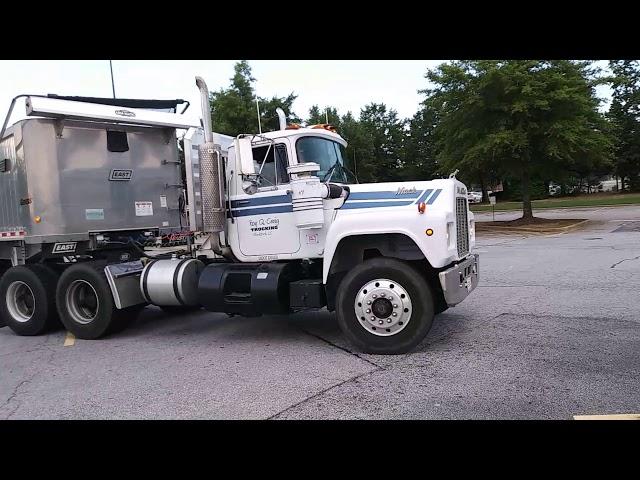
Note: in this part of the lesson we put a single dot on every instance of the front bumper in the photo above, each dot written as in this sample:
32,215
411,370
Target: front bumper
459,281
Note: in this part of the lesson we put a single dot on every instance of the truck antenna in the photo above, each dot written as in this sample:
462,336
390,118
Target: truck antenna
326,115
258,109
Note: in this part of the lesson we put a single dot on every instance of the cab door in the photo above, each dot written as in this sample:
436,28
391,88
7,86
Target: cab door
265,225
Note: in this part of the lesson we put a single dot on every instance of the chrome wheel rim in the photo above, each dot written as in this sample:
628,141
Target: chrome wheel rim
383,307
20,301
82,302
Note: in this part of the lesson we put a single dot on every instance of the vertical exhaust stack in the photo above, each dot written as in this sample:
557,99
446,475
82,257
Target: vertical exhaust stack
282,118
211,181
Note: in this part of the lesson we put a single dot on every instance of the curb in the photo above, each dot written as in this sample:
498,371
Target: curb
536,231
488,210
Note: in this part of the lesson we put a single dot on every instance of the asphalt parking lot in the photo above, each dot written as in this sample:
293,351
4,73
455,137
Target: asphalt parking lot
552,331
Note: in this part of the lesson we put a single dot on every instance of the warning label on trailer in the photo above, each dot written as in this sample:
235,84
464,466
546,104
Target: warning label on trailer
94,214
144,209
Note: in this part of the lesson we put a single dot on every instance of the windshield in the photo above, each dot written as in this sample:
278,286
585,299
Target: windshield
329,155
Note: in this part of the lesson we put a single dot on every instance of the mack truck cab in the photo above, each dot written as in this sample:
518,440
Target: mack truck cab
292,229
284,226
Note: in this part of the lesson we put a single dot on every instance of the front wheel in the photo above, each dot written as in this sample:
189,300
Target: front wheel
384,306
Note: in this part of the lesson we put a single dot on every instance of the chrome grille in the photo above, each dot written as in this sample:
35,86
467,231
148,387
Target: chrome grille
462,226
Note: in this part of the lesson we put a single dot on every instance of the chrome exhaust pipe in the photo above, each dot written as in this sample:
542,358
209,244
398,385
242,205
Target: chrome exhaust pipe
206,109
214,214
282,118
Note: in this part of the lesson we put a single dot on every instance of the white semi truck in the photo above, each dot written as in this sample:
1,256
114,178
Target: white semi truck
283,226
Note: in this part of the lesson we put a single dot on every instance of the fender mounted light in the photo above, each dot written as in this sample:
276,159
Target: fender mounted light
422,207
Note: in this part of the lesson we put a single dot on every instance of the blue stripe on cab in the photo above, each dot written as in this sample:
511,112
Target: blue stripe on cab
424,196
263,211
352,205
382,195
434,196
254,202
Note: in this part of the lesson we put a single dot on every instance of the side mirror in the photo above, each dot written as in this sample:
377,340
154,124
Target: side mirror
250,187
245,154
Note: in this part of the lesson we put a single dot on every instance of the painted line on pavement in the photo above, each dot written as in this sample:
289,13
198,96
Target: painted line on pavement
620,416
69,340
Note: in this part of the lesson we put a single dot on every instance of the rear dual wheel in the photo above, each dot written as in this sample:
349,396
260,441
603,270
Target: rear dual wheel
27,299
86,305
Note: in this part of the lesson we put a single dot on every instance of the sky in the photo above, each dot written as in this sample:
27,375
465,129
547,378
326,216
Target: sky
346,84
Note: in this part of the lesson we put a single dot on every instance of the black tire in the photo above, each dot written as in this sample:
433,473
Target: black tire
176,309
441,304
86,305
420,293
41,282
125,317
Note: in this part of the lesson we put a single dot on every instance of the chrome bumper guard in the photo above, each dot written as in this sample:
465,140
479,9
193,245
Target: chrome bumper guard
459,281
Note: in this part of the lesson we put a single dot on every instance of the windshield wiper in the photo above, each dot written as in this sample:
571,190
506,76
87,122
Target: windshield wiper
330,171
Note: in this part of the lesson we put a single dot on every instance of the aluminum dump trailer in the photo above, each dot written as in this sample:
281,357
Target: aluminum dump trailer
83,180
67,180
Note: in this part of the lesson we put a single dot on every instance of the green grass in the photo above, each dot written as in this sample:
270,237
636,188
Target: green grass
594,200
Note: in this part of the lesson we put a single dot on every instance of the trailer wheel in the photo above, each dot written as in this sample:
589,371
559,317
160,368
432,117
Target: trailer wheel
85,302
384,306
27,299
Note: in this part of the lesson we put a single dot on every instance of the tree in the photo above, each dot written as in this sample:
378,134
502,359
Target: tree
420,162
360,150
624,115
317,116
386,133
269,116
522,118
233,110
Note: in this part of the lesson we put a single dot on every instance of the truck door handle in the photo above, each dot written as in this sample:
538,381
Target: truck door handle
243,202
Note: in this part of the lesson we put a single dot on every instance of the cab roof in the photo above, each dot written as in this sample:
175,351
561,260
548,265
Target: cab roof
305,132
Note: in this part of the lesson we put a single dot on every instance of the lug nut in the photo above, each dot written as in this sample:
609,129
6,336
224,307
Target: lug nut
382,295
380,322
395,305
368,310
375,296
388,320
373,318
369,302
394,314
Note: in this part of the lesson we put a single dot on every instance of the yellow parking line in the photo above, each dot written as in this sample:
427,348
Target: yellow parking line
69,340
621,416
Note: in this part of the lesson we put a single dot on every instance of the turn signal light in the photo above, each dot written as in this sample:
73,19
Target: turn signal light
422,207
429,232
37,219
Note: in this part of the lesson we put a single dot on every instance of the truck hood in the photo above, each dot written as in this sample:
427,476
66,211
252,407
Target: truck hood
400,194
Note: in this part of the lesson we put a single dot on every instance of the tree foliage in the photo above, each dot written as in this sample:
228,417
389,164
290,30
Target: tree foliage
233,110
420,155
524,123
521,118
624,115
